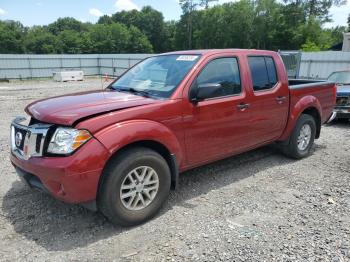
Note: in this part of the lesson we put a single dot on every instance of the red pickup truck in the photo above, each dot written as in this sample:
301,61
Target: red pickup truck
120,150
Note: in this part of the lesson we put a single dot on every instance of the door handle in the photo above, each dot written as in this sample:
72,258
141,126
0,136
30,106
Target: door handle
280,99
243,106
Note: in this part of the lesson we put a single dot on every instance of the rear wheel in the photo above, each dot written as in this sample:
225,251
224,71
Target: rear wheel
136,183
302,138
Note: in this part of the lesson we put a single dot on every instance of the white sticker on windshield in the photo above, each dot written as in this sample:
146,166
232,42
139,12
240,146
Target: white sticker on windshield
187,58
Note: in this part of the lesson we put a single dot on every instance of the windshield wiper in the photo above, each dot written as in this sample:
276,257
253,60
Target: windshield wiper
134,91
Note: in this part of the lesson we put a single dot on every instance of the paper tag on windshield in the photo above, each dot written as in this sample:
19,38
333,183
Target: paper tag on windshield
187,58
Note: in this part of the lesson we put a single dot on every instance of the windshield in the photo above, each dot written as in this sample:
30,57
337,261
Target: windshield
156,76
340,77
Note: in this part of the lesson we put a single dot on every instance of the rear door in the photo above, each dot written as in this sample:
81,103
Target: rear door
270,101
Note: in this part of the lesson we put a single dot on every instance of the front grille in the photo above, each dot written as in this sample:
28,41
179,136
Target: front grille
39,141
20,135
342,100
28,141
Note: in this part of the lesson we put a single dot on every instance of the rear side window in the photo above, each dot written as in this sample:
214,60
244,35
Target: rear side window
263,71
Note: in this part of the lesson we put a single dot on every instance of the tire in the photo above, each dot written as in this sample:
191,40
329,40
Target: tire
121,172
294,149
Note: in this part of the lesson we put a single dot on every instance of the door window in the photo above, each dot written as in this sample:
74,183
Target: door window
263,71
223,71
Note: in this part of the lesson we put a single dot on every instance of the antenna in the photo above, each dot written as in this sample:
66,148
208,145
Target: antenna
103,80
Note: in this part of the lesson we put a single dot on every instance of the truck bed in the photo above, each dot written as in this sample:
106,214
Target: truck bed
306,83
321,90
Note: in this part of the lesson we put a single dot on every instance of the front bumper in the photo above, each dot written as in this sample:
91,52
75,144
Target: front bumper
72,179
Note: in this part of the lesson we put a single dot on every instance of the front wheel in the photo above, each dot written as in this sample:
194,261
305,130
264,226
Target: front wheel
136,183
302,138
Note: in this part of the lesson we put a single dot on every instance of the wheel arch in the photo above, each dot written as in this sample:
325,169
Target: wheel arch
306,105
150,144
312,111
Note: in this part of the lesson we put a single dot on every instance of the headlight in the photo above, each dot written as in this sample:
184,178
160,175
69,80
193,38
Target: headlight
66,140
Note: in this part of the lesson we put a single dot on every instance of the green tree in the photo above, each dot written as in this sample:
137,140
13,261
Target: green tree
66,23
286,23
149,21
40,41
188,8
336,34
240,27
11,37
152,25
105,19
116,38
170,36
223,26
262,24
310,46
206,3
69,42
312,33
317,8
320,8
106,39
266,13
138,42
128,18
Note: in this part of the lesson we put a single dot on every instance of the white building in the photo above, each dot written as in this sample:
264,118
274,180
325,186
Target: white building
346,42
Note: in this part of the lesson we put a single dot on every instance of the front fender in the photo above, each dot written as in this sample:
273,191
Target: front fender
116,136
297,109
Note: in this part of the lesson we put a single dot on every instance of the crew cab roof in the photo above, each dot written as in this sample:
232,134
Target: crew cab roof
218,51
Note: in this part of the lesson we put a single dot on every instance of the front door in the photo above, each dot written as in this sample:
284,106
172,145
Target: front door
218,125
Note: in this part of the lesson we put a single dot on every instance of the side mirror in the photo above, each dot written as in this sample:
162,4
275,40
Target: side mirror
204,91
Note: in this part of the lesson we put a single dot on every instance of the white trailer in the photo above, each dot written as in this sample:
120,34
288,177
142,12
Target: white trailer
68,76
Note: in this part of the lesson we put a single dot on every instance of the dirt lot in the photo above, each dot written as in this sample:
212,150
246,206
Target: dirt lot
256,206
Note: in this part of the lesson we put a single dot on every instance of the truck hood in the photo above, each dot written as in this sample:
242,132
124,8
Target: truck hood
67,109
343,90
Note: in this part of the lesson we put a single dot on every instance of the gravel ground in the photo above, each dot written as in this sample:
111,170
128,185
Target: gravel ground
255,206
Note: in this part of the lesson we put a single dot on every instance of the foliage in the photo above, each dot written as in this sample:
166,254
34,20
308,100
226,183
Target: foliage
317,8
69,42
138,42
310,46
149,21
11,35
40,41
188,9
117,38
206,3
261,24
66,23
236,16
170,36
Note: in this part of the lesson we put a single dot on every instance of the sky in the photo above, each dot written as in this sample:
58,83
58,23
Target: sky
42,12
